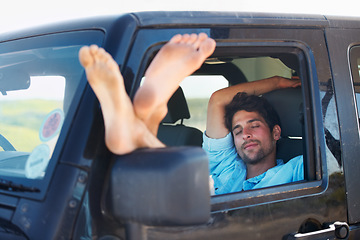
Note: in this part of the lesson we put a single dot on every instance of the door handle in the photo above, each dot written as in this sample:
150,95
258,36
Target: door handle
337,230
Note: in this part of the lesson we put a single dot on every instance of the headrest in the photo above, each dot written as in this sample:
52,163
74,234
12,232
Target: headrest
288,104
177,108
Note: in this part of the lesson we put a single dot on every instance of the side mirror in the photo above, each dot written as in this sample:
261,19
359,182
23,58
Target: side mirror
160,187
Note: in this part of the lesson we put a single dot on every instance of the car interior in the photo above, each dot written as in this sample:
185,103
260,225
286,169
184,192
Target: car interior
176,129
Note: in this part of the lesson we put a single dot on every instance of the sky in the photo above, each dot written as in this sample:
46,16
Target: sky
20,14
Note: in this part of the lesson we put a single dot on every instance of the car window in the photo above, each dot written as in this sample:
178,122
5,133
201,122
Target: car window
38,82
240,65
355,70
31,110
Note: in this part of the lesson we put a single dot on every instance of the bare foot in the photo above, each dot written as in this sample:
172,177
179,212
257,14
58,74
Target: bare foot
124,132
177,59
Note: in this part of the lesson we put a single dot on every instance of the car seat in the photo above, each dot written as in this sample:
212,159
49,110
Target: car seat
288,104
172,133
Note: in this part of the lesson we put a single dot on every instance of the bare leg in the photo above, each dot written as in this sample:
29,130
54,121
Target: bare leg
124,132
177,59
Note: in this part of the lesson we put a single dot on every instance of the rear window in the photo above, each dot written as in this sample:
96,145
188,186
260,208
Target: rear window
355,70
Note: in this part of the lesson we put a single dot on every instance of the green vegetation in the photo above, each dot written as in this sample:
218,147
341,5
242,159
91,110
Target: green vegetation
21,121
198,112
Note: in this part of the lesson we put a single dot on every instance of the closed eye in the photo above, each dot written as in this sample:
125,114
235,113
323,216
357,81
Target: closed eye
238,132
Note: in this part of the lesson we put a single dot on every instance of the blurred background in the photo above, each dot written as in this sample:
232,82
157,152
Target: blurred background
18,14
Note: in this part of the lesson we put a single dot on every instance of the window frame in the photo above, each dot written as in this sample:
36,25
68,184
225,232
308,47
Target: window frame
313,115
316,162
354,55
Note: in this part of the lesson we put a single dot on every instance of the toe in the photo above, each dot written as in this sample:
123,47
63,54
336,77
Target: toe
193,38
207,47
176,39
185,38
85,56
94,49
102,55
200,38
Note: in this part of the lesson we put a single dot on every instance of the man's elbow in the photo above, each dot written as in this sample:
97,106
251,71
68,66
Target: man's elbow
216,100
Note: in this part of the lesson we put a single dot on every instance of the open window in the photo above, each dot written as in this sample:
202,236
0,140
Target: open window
246,62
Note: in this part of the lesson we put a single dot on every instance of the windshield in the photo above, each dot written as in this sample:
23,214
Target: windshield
36,87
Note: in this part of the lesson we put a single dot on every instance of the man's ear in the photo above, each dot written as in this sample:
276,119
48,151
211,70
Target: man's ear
276,132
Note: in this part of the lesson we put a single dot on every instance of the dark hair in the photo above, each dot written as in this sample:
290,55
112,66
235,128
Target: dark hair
251,103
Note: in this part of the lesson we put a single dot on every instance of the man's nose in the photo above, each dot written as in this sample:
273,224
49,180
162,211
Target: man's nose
246,133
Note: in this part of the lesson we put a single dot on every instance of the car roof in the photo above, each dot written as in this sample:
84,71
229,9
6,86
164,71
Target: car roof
165,19
151,19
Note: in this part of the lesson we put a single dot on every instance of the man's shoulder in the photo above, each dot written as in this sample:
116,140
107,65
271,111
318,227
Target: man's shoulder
297,165
296,160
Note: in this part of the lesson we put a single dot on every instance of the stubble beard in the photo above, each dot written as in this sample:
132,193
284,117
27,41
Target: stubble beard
255,159
259,156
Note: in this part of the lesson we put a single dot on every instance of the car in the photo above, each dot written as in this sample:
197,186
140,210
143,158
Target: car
59,181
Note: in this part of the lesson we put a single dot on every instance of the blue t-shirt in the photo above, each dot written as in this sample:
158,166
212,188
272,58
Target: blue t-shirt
229,171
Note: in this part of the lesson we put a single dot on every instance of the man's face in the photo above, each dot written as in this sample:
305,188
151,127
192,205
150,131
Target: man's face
253,139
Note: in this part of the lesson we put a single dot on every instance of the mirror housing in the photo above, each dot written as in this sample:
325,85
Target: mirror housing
13,79
160,187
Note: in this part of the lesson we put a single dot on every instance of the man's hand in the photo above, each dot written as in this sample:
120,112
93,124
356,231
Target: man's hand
288,83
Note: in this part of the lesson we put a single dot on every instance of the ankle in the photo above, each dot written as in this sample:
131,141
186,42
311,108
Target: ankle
145,102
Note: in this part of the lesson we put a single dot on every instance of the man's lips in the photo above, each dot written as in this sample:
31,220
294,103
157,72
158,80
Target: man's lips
248,145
